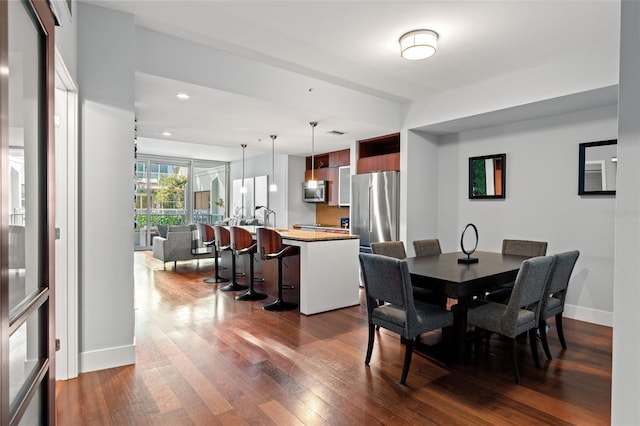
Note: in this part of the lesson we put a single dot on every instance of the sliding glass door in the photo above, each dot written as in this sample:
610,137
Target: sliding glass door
176,192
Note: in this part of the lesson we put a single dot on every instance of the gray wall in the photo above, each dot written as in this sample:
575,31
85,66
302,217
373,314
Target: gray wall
106,80
541,199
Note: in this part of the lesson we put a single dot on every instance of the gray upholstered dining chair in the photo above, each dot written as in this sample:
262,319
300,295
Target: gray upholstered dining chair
526,248
389,248
430,247
387,278
522,313
553,303
396,250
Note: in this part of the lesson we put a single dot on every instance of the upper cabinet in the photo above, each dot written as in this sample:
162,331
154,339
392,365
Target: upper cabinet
326,168
379,154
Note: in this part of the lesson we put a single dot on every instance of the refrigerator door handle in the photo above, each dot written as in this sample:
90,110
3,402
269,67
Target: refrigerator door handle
370,197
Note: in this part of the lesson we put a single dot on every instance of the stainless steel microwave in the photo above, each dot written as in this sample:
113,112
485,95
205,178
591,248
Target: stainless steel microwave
315,195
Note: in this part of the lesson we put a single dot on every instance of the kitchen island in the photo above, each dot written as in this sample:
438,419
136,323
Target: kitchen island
325,274
329,269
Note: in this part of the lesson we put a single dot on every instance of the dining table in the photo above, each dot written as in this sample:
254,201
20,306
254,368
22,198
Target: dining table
463,282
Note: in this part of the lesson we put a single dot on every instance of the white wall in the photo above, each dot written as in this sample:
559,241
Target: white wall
541,199
418,188
626,327
106,87
287,201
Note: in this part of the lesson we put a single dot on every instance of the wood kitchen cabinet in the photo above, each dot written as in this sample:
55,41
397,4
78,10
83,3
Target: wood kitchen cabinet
331,173
379,154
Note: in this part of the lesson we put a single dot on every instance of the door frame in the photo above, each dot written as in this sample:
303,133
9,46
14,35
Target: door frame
67,243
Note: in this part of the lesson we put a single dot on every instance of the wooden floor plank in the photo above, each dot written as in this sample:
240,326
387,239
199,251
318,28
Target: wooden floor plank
204,358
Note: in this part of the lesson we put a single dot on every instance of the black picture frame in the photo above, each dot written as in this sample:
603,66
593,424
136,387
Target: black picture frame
478,180
609,163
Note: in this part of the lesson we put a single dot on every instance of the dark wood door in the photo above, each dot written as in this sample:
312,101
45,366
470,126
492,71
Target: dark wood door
27,346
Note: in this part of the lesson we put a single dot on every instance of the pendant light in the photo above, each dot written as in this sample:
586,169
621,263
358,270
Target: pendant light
243,189
273,187
313,183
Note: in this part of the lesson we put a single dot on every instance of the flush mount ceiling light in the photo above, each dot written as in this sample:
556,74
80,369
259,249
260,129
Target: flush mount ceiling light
182,95
418,44
166,133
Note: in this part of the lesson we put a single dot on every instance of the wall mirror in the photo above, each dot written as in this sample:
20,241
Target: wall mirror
597,166
487,176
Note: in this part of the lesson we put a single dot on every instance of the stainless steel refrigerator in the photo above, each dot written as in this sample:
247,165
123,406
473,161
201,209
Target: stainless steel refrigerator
375,207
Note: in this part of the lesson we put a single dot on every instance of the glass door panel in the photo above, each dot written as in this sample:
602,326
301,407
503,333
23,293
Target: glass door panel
27,144
209,194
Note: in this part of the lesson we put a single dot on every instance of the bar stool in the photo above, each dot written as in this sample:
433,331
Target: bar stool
271,247
208,235
242,244
223,241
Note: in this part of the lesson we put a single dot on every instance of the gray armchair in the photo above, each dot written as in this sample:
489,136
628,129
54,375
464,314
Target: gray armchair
522,314
387,278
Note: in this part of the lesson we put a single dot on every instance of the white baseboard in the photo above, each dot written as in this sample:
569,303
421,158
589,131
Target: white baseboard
593,316
107,358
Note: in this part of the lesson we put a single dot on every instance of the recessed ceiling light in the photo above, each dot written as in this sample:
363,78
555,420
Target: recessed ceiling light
182,95
166,133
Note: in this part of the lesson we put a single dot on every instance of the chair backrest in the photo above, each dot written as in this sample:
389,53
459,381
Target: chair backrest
524,248
240,238
387,278
269,241
559,282
223,237
531,283
390,249
429,247
207,234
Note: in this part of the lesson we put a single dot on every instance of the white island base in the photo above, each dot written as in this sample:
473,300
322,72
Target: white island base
329,274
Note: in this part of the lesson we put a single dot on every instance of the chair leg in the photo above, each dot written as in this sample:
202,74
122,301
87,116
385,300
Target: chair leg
559,330
279,304
372,334
514,356
533,342
251,294
408,351
216,277
233,285
542,331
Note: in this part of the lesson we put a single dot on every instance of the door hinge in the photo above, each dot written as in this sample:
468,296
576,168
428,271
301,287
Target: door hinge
57,233
57,345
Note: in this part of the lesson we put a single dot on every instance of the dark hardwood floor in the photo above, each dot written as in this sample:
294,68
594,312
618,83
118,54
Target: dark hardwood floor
204,358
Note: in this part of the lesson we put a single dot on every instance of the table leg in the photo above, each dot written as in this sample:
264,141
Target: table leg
459,329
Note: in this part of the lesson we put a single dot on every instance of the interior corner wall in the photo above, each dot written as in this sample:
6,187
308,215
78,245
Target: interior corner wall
418,187
625,385
541,199
106,90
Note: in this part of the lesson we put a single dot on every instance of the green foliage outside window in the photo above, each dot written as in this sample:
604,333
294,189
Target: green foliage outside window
479,178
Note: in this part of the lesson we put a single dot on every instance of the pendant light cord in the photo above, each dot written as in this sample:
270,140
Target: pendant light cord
313,164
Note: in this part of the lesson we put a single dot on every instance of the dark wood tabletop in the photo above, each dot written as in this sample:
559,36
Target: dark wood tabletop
457,280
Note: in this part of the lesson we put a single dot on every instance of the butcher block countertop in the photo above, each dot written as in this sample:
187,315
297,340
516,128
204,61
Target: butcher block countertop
311,236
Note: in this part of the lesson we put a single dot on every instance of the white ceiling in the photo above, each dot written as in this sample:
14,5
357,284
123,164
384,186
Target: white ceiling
353,44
